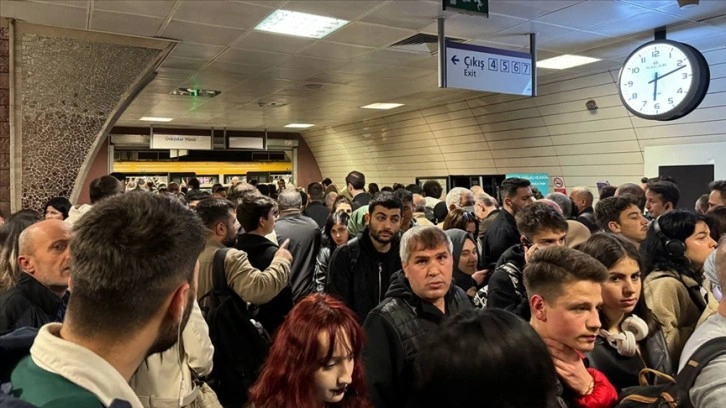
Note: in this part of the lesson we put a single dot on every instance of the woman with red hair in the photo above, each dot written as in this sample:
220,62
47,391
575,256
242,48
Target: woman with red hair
315,360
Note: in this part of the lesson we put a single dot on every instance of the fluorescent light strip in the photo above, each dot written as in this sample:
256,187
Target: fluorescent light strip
299,125
155,119
565,61
381,105
300,24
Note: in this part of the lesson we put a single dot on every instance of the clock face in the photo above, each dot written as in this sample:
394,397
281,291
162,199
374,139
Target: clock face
663,80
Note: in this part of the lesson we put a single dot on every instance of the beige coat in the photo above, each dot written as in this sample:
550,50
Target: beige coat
671,304
251,284
158,381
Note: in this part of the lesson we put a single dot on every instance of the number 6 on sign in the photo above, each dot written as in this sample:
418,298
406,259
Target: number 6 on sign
515,67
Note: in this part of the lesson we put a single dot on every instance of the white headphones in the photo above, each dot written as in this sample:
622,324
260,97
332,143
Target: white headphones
626,343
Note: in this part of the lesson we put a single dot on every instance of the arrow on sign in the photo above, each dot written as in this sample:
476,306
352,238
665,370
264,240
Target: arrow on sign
454,59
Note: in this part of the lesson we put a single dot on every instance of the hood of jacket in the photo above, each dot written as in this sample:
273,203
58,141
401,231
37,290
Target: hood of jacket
514,255
76,212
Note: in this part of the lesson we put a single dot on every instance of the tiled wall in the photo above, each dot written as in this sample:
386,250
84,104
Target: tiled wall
68,86
4,118
499,134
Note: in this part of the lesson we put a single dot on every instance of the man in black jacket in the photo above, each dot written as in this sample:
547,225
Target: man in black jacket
541,226
421,296
502,233
257,213
582,197
40,295
316,209
355,183
360,271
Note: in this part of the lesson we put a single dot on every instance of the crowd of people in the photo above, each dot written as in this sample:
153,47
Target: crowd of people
361,296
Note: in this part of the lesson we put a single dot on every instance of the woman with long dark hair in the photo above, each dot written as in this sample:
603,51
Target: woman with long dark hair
675,250
335,234
315,359
631,338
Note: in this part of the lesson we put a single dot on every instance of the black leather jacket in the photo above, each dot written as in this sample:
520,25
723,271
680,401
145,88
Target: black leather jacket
623,371
29,304
396,330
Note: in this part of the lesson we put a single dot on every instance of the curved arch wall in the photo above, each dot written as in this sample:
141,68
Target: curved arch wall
499,134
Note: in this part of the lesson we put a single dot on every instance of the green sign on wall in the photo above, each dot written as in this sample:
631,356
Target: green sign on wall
476,7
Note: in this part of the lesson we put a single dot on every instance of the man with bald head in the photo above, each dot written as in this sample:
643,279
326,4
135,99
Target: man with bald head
40,295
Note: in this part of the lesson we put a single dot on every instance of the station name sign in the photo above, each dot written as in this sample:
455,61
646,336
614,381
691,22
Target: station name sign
183,142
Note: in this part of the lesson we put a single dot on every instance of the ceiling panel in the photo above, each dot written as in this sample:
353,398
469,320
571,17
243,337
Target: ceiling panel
184,63
472,27
221,13
347,10
156,8
706,8
45,13
325,49
638,23
252,57
190,50
200,33
258,40
72,3
593,13
403,15
125,23
369,34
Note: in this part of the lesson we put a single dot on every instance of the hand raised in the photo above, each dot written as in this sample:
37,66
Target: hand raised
283,252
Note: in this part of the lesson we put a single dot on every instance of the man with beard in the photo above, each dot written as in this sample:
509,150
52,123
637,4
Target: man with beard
360,271
251,284
133,280
502,233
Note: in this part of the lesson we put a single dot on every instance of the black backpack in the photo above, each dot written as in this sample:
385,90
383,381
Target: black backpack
240,343
674,394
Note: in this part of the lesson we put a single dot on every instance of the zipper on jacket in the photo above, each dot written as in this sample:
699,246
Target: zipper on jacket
380,272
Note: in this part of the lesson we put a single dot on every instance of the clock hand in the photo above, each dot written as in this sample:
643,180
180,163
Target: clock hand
655,86
665,75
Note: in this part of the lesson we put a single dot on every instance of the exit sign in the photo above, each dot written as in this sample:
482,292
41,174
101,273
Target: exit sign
475,7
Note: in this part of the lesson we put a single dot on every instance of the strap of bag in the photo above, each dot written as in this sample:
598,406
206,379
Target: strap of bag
700,358
219,278
696,298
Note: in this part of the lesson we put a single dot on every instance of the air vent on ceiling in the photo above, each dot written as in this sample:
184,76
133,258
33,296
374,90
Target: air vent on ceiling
422,43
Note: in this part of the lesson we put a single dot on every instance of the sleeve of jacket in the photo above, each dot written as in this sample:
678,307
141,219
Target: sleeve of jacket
339,277
603,395
502,294
384,363
250,283
197,344
321,269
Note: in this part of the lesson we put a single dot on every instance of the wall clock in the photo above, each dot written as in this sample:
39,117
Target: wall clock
663,80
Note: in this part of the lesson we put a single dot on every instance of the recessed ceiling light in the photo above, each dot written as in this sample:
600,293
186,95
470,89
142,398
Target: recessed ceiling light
299,125
382,106
565,61
155,119
300,24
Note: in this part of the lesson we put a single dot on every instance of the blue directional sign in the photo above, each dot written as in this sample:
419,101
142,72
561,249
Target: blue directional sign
488,69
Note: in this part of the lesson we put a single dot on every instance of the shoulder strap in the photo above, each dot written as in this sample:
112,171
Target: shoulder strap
219,279
699,359
696,297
